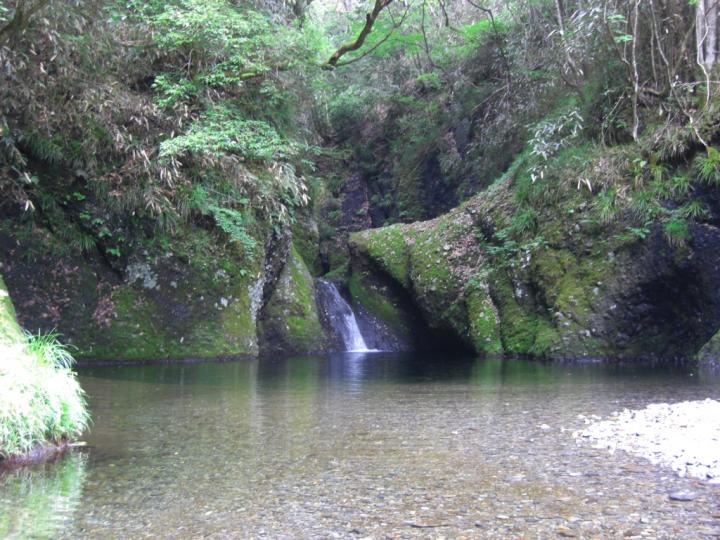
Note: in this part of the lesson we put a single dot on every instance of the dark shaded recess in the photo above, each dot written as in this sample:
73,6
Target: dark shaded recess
439,193
382,197
355,203
710,196
675,310
144,83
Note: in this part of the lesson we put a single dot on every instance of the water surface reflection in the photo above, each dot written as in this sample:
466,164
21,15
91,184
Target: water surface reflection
362,445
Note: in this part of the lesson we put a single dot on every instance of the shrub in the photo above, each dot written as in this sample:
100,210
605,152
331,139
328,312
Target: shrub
708,167
676,231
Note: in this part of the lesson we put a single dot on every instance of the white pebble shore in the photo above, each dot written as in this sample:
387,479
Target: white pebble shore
684,436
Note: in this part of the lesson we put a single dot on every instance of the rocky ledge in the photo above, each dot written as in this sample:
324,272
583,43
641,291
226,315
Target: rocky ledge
684,436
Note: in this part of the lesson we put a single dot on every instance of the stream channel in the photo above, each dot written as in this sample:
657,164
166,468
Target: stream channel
357,445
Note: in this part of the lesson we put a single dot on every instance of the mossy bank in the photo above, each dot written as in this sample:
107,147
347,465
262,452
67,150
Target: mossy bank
190,294
41,404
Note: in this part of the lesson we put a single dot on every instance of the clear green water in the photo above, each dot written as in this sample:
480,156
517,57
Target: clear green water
359,446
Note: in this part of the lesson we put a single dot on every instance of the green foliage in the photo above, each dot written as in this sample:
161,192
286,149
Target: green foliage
232,222
431,79
173,89
524,221
644,206
347,109
509,244
550,135
676,231
477,33
681,185
605,204
40,398
229,220
642,170
693,210
634,233
708,167
223,130
223,43
48,350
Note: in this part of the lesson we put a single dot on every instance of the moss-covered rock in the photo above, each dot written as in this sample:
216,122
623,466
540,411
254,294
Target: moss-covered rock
306,238
483,321
566,289
389,248
190,295
10,331
437,263
290,323
710,352
386,314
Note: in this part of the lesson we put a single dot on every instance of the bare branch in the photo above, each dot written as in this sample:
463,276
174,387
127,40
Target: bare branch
636,76
424,35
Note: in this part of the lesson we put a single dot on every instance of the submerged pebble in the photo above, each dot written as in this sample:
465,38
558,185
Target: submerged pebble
289,449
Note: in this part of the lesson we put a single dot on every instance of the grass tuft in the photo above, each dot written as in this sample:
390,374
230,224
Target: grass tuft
40,397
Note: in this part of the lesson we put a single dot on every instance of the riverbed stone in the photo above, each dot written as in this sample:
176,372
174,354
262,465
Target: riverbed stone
684,436
683,496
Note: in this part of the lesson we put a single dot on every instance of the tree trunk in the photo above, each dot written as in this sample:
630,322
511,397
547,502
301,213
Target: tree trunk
711,40
560,13
706,16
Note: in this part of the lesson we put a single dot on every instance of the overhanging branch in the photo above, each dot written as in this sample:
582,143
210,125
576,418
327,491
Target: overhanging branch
358,42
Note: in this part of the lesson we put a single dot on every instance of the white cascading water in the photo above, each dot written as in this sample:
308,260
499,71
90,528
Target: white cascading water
342,317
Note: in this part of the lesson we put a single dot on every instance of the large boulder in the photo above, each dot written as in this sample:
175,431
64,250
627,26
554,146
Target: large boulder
289,321
574,290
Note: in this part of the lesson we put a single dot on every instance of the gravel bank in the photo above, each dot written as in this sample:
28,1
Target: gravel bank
684,436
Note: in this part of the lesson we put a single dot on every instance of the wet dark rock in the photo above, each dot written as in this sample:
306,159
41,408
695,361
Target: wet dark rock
41,453
355,204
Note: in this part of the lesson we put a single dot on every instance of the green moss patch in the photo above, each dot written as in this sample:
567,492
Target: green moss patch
380,300
388,247
290,321
10,332
484,325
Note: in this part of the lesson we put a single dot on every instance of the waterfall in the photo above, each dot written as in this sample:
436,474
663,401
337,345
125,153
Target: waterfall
340,315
